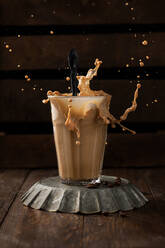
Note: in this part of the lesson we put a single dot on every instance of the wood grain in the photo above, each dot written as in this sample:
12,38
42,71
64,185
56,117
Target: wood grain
25,227
142,228
48,12
51,51
38,151
10,184
17,106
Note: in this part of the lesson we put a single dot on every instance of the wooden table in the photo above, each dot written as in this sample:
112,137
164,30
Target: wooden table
24,227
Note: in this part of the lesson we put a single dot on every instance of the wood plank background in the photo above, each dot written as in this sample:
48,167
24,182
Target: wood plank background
47,12
50,51
111,30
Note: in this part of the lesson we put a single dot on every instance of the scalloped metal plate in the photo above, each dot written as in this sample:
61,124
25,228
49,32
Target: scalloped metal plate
51,195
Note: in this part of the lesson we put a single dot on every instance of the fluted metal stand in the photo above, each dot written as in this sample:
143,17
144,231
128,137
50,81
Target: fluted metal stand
51,195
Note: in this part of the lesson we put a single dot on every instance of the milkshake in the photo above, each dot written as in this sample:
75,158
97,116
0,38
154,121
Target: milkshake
80,129
80,153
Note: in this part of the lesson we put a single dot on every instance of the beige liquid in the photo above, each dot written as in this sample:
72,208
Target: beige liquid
80,127
79,157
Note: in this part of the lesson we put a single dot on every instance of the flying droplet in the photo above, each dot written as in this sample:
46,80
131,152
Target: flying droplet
34,88
132,58
132,9
54,12
146,104
141,64
138,76
131,82
126,4
69,88
18,35
133,18
147,57
135,35
7,46
28,79
22,89
26,76
18,66
51,32
31,15
155,100
144,42
41,89
147,75
67,78
127,65
45,101
10,50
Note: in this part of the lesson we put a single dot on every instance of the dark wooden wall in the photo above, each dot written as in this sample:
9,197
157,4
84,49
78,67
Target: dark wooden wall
112,30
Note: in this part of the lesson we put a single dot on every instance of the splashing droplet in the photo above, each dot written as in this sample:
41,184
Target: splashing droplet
144,42
67,78
141,64
31,15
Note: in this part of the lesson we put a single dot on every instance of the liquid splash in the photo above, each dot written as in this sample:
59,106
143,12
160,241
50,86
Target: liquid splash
72,122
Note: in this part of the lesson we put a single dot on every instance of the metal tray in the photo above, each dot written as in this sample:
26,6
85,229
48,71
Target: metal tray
51,195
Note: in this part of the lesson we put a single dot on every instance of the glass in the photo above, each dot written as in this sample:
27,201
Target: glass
79,164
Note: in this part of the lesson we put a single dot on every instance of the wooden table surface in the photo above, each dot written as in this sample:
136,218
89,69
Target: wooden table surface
24,227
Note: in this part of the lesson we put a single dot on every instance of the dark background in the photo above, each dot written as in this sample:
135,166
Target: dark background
110,30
